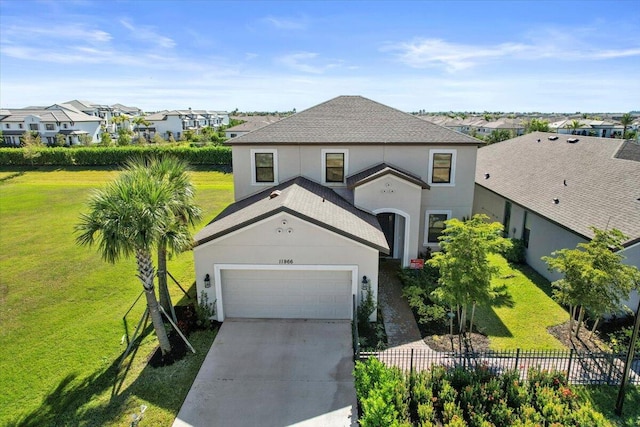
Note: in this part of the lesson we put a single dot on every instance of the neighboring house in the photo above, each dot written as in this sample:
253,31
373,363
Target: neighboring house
175,122
588,127
250,124
549,191
48,122
320,196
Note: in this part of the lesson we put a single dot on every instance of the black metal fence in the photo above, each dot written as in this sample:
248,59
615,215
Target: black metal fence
579,367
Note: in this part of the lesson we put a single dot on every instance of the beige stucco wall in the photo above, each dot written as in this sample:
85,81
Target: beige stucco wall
394,195
306,161
308,244
545,236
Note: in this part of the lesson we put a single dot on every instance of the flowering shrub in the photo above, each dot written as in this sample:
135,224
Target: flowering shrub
460,397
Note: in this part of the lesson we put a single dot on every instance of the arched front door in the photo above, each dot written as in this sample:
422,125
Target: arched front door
394,225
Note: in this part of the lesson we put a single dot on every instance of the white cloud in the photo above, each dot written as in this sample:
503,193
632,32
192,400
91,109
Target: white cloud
424,53
147,34
306,62
282,23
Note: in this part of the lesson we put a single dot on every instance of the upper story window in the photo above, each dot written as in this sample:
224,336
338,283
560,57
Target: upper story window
434,226
334,165
33,126
20,126
49,126
264,167
442,167
7,125
64,125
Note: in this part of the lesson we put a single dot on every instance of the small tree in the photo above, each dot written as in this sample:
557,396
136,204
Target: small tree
124,137
626,120
595,279
498,135
85,139
465,272
32,145
574,126
61,140
536,125
105,139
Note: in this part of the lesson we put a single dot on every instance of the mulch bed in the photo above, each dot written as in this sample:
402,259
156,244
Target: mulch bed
187,323
582,343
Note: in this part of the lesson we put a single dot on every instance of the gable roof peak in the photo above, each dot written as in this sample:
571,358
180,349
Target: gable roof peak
349,120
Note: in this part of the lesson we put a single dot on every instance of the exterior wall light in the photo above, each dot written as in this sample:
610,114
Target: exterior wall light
207,281
366,283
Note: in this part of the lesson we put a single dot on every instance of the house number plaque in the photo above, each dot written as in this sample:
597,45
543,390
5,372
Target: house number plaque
285,261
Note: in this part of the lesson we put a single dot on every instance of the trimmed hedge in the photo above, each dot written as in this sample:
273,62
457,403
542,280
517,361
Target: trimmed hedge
109,156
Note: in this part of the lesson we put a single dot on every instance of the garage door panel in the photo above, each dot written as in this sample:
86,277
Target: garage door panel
286,294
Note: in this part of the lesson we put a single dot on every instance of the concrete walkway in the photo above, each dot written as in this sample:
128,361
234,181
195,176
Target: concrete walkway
275,373
399,322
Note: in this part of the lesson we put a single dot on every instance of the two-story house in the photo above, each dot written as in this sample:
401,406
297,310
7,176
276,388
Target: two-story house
320,196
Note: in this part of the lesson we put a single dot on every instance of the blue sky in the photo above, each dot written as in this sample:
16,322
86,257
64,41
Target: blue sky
438,56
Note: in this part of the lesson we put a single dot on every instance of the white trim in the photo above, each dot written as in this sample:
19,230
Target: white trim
426,225
407,223
273,151
324,153
393,177
217,275
453,167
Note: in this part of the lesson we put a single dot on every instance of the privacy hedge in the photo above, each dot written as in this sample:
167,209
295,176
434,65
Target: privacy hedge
108,156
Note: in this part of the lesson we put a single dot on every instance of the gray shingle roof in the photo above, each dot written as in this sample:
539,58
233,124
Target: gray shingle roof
381,170
304,199
353,120
601,190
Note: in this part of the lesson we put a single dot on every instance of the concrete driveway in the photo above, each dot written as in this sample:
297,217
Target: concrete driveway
275,373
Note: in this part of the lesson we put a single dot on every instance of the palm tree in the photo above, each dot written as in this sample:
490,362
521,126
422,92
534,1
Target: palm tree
129,217
172,172
626,120
140,121
574,125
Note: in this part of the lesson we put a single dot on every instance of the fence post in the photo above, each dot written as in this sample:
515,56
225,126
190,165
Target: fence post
612,360
569,366
411,363
517,360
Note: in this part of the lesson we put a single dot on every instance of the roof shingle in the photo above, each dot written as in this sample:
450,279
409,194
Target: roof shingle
304,199
352,120
593,187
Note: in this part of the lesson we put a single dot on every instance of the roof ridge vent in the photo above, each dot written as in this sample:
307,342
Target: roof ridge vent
572,140
274,194
553,138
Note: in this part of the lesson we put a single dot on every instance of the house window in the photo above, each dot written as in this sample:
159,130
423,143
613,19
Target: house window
526,229
49,126
442,167
507,217
20,126
264,167
434,226
33,126
65,125
7,125
334,164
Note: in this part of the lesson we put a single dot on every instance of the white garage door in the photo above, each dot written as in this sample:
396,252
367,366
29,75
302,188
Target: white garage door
290,294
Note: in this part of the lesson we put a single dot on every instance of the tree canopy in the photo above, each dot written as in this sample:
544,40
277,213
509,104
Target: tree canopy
595,278
465,271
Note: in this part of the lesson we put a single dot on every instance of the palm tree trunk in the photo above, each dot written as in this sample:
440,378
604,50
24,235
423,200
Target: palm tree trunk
463,318
163,288
146,275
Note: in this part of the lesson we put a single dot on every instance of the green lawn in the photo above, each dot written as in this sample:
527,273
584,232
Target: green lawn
61,306
603,398
523,322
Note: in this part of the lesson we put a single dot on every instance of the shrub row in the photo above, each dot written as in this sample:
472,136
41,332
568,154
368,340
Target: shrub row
109,156
461,397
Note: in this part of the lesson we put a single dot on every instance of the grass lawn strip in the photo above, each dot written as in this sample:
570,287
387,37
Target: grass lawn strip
61,305
524,324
